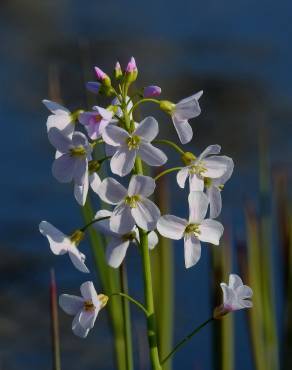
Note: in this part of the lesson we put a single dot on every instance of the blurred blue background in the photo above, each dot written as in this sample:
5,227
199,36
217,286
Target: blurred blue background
238,52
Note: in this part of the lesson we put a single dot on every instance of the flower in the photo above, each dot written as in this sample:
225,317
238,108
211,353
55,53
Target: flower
207,170
92,179
119,242
85,308
235,297
61,244
128,146
96,121
194,230
132,205
93,87
73,157
61,118
151,91
181,112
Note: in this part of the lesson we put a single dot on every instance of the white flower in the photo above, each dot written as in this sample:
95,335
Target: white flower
84,308
119,242
92,179
183,111
235,296
204,170
61,118
194,230
74,154
61,244
128,146
132,205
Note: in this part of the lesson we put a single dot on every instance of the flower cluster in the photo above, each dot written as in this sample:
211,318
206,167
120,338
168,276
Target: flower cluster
128,145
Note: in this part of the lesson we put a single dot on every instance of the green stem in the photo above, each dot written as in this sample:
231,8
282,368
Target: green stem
131,299
151,324
127,319
146,100
186,339
165,172
171,144
92,222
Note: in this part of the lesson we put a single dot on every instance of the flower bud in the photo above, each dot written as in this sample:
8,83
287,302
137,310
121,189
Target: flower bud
188,158
93,87
118,71
102,77
151,91
131,71
167,106
93,166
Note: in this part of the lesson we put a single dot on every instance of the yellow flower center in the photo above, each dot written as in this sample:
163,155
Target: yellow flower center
133,142
197,169
88,306
207,182
77,236
93,166
78,151
132,201
193,229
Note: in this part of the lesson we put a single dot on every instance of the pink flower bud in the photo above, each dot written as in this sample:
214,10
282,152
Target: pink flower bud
131,67
151,91
118,71
101,76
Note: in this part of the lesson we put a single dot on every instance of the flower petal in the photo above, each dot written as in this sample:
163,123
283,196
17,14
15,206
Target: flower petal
198,205
152,240
235,281
196,183
62,122
87,319
116,252
80,171
55,107
104,225
181,177
61,142
151,155
94,181
147,129
210,150
63,168
188,107
78,258
171,226
230,166
59,242
192,250
88,291
244,291
78,329
122,221
142,185
228,295
183,129
216,166
80,192
146,214
114,135
215,200
71,304
211,231
111,191
123,161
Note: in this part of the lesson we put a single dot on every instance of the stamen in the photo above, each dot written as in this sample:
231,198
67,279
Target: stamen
197,169
89,306
132,201
133,142
78,151
193,229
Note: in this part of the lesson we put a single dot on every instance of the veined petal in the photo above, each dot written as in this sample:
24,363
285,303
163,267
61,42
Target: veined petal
123,161
235,281
106,114
244,292
198,205
146,214
61,142
79,139
188,107
71,304
116,251
151,155
142,185
111,191
171,227
192,250
210,150
228,295
114,135
195,96
78,259
88,291
183,129
58,241
63,168
87,319
122,221
210,231
78,329
181,177
196,183
214,195
230,166
55,108
216,166
152,240
147,129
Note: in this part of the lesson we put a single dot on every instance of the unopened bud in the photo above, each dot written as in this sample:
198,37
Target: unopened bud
188,158
151,91
102,77
131,71
118,71
167,106
93,87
